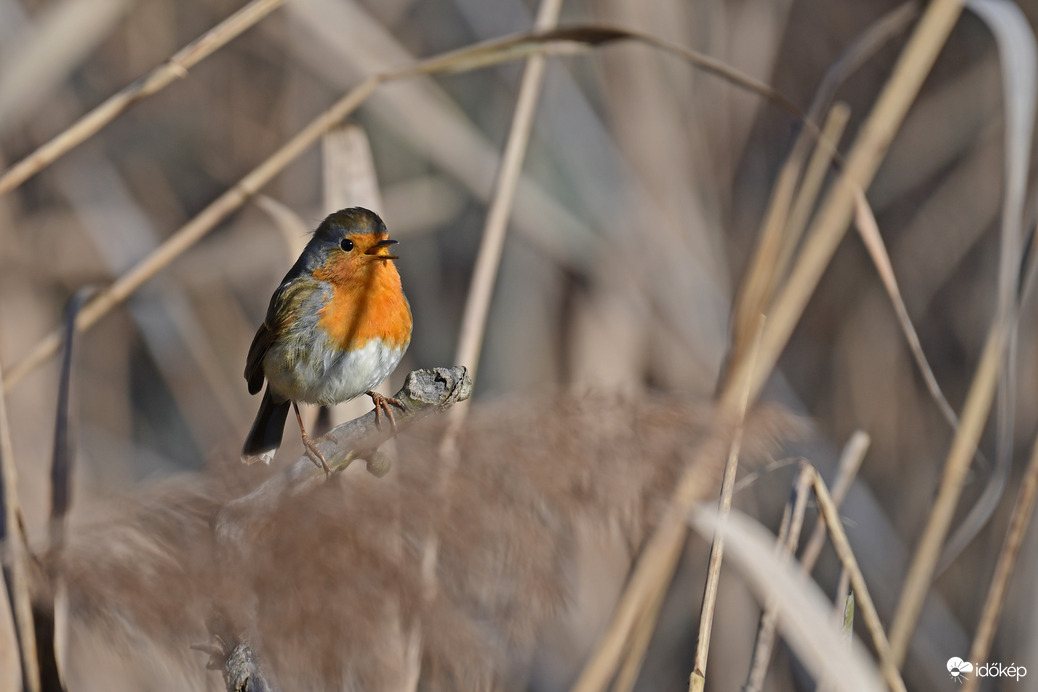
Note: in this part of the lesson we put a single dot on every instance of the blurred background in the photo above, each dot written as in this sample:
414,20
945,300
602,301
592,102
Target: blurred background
644,188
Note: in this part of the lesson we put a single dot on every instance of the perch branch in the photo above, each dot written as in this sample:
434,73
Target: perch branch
424,392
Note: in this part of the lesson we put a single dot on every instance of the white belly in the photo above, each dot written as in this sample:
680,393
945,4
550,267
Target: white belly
332,379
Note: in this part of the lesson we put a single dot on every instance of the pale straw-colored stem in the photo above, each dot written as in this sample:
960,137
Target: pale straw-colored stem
964,444
13,552
175,67
887,665
835,214
697,681
195,229
788,539
846,471
488,260
996,598
652,573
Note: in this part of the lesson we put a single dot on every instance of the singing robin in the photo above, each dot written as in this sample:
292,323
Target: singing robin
336,327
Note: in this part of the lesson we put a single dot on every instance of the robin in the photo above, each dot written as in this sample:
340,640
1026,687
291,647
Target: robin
336,327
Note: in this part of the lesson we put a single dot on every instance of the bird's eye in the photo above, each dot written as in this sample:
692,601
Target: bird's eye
346,244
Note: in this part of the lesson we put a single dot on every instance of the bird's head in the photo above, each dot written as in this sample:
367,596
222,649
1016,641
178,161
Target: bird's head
351,245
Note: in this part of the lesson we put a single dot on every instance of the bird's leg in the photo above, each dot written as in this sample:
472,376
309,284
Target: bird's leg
311,448
382,403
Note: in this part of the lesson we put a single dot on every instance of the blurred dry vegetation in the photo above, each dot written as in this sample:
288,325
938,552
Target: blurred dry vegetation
644,189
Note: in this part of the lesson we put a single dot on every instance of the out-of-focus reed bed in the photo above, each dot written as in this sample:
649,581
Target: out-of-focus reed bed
656,216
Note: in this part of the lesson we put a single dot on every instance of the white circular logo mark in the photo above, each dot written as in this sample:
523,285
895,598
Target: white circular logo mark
958,668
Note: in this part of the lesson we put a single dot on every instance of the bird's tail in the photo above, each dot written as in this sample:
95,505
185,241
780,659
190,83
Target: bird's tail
267,430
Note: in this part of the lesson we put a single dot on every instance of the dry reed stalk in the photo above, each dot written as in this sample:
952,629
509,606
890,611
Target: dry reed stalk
761,277
631,666
831,515
13,552
850,461
697,680
831,223
805,614
194,230
811,185
786,546
964,444
868,229
488,259
843,613
477,305
1018,58
651,574
782,226
175,67
51,609
562,41
784,219
655,567
996,598
846,470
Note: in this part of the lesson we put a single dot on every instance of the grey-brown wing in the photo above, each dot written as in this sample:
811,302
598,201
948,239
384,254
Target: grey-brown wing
281,312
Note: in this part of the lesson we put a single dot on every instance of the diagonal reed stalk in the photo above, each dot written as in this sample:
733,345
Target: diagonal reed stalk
830,514
783,225
477,305
697,680
785,547
835,213
850,461
746,374
924,562
175,67
653,571
805,613
488,260
846,471
996,598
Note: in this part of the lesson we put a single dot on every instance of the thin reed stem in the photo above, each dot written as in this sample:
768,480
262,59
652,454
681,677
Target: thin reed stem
175,67
887,665
924,562
835,214
996,598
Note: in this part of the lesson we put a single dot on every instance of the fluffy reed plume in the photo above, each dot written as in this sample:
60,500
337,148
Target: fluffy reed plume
327,584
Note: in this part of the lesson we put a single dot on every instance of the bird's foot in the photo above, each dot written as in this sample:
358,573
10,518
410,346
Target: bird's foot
382,403
315,454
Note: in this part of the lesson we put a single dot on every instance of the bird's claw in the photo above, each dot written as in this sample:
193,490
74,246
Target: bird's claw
382,403
315,455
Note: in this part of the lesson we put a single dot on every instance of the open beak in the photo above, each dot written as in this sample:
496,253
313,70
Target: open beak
377,250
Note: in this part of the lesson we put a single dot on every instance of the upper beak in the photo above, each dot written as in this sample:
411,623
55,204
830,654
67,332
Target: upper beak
376,250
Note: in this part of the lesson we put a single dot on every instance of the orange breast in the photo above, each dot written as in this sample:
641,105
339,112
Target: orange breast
370,305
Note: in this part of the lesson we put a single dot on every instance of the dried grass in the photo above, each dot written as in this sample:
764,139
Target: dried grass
326,581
